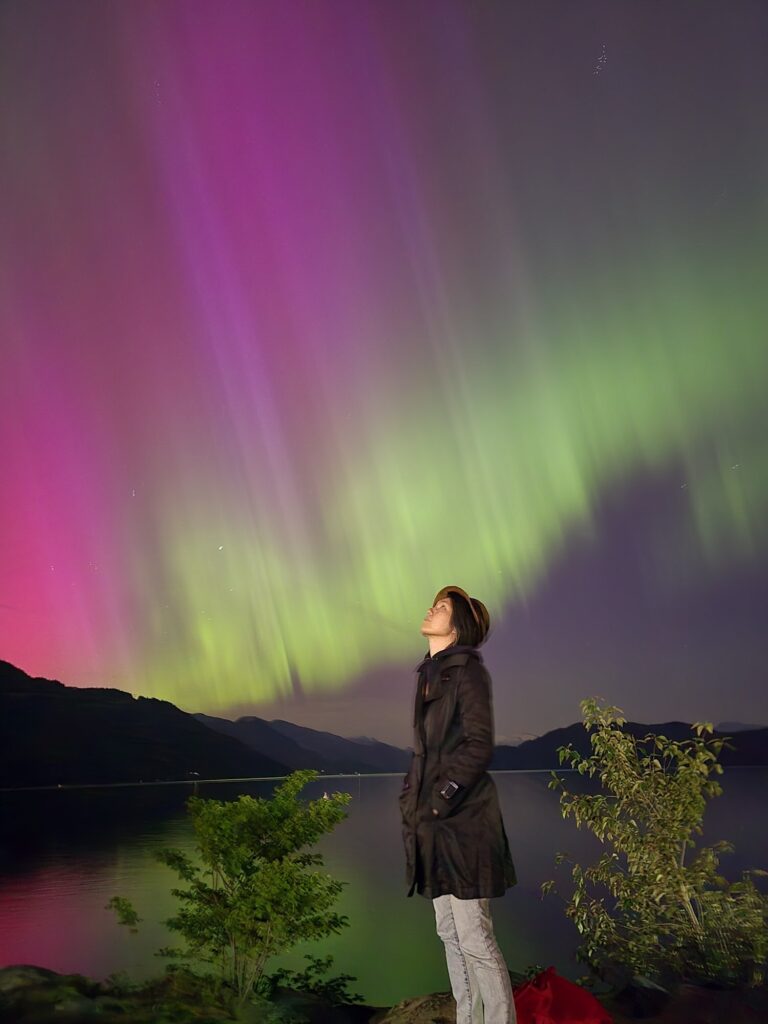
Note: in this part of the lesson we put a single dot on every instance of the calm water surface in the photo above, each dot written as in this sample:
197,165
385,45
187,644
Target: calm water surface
64,853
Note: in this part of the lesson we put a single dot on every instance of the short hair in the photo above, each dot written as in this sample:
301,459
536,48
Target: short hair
468,630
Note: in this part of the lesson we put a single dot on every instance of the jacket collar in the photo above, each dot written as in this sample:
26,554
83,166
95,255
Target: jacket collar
457,654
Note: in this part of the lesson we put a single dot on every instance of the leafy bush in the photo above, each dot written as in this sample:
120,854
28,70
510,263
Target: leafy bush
311,979
661,917
253,890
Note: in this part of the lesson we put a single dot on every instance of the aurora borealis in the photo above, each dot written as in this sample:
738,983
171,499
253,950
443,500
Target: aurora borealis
308,308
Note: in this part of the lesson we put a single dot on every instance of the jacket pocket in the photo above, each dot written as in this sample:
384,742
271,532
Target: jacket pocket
451,856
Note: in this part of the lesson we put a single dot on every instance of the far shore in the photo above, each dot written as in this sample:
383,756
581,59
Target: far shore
248,778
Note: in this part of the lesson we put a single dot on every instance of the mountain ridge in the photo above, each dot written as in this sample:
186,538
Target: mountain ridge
54,734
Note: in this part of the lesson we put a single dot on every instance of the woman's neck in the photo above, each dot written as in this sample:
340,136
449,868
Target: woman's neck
439,643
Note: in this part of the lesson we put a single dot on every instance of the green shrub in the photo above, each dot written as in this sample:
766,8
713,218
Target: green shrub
311,979
641,905
253,890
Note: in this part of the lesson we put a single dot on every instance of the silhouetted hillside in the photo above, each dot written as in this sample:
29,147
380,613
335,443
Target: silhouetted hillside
257,734
751,745
301,747
738,727
380,756
263,736
51,733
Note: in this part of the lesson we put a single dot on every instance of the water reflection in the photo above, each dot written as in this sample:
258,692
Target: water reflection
64,853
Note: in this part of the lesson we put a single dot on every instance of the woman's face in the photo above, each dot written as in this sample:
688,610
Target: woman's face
437,621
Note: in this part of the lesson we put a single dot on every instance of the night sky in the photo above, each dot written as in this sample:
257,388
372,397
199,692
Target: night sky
311,307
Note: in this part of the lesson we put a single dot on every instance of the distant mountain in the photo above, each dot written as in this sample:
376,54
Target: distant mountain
751,745
737,727
515,739
51,733
381,757
258,734
267,739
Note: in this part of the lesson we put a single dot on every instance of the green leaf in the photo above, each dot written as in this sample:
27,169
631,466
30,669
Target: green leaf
126,914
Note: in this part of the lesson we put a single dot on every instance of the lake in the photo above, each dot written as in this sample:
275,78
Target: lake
64,853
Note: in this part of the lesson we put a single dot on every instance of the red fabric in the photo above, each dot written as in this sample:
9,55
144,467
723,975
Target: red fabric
549,999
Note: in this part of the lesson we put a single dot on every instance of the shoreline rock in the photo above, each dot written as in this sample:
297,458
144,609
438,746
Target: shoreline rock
37,995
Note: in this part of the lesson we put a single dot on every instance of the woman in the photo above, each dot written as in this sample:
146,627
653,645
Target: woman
457,852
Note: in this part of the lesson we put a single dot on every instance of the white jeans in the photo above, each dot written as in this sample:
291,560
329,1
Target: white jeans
479,977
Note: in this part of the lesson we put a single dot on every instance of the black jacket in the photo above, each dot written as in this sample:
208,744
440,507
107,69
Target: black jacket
462,849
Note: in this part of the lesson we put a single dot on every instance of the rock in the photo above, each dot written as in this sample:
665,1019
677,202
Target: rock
314,1009
76,1007
710,1005
640,997
110,1004
700,1004
20,976
438,1008
35,995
